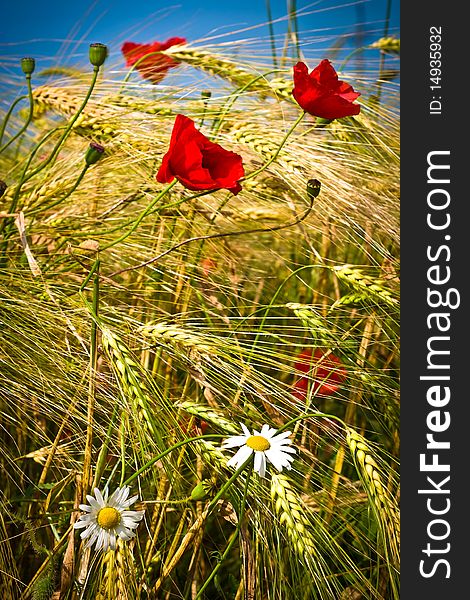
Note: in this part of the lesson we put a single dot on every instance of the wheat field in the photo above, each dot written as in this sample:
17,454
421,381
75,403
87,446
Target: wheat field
141,324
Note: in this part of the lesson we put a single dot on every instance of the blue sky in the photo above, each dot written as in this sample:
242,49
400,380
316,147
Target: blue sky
60,31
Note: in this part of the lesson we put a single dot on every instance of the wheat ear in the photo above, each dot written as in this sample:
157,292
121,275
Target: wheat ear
374,288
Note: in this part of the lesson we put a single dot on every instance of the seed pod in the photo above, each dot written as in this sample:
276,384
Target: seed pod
98,54
28,65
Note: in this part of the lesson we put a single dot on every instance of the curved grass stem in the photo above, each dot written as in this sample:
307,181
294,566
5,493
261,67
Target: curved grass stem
9,113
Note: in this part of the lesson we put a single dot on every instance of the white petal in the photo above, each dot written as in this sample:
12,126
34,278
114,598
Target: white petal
94,503
246,431
260,463
85,507
83,522
129,501
240,457
102,541
281,436
123,497
124,533
133,514
268,432
88,531
93,533
286,449
101,501
277,459
118,496
235,440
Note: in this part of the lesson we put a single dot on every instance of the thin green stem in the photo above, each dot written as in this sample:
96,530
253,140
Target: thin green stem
308,416
23,177
87,468
276,154
213,236
100,462
295,27
9,113
142,216
234,97
271,32
349,56
60,200
228,483
388,11
167,451
232,539
68,128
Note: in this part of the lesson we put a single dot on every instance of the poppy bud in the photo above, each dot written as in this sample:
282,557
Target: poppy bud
27,65
201,490
313,188
3,188
206,94
94,153
98,54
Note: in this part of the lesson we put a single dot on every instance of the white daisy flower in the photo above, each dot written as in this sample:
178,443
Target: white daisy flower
107,518
265,444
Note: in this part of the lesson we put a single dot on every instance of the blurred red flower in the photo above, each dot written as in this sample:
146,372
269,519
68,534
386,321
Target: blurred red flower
208,265
152,67
198,163
199,427
324,375
321,94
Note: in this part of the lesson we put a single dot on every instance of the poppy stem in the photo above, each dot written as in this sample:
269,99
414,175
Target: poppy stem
141,217
276,154
167,451
55,151
40,208
68,129
8,115
308,415
217,124
28,120
213,236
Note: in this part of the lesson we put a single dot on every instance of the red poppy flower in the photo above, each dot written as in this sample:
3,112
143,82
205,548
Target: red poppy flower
152,67
198,163
321,94
324,375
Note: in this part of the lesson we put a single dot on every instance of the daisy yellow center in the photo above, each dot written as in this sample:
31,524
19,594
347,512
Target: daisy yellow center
108,517
258,442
